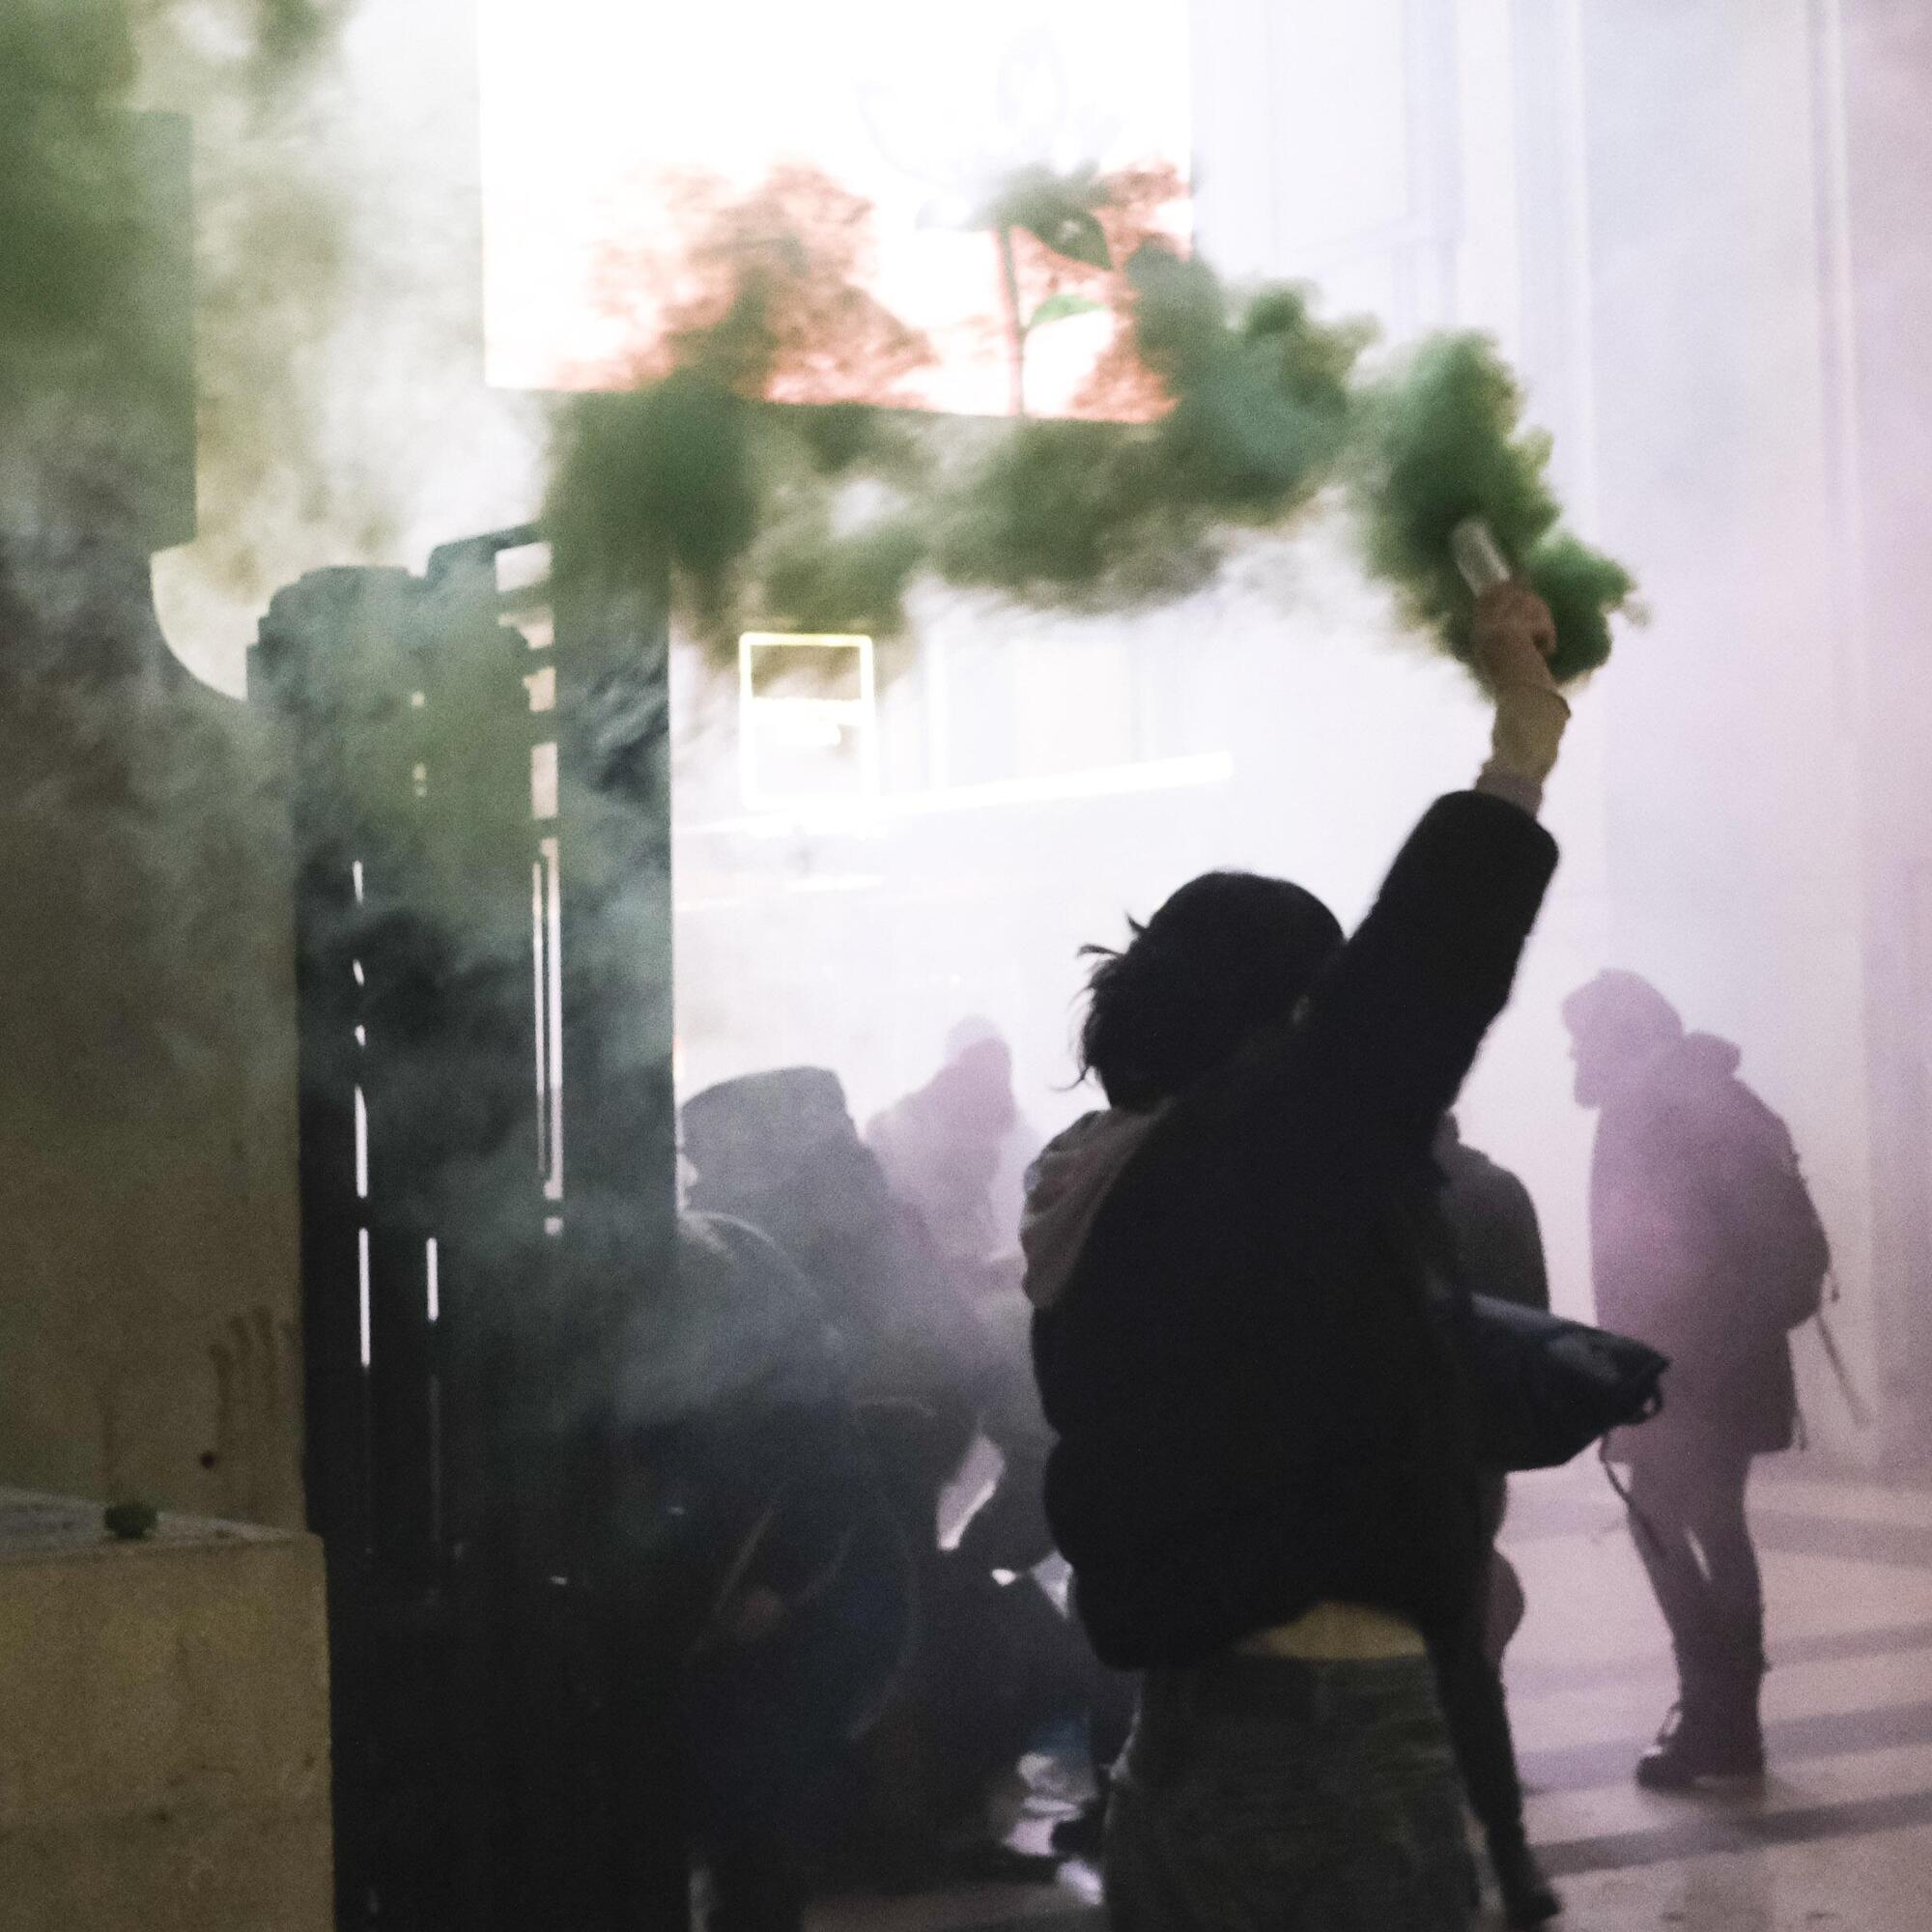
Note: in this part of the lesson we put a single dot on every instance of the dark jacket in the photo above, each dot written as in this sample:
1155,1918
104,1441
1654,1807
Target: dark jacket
778,1151
742,1469
1254,1411
1492,1226
1693,1214
733,1410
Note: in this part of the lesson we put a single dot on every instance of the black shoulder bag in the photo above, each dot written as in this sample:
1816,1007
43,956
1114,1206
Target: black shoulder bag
1543,1387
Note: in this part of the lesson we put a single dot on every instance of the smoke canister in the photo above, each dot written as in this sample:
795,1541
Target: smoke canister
1478,556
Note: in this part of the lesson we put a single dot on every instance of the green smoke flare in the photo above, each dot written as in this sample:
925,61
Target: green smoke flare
1439,444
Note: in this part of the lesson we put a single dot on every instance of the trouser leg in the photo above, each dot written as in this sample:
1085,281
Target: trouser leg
1263,1793
1697,1546
1695,1542
1734,1582
1661,1526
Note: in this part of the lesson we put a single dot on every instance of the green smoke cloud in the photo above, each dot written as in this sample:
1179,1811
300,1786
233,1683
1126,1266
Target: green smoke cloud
168,253
86,373
1439,441
751,514
66,173
1105,516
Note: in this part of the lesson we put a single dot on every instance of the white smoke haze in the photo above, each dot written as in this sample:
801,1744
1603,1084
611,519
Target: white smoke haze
342,415
1648,203
1641,210
149,1111
1667,282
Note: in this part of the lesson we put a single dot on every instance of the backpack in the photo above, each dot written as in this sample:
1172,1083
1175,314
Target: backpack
1791,1253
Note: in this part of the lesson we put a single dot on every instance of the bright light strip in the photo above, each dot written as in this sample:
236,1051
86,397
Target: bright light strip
362,1147
432,1278
543,780
540,1029
363,1301
554,963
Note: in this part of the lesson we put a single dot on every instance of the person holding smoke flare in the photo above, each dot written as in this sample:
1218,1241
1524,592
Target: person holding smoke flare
1263,1475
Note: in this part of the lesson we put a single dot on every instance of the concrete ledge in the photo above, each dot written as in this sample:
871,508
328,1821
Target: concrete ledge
163,1727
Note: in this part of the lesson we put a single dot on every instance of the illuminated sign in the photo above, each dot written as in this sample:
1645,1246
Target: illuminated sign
807,721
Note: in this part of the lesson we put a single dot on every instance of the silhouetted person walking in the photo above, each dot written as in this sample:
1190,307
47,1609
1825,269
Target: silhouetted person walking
1705,1244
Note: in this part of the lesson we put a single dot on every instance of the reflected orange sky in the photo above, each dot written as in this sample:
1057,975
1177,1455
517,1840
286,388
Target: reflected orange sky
599,116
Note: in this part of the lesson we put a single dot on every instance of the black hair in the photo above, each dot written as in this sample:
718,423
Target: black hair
1226,953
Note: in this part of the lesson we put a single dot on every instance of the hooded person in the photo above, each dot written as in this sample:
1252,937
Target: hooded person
957,1149
779,1150
1704,1243
1263,1473
1019,1144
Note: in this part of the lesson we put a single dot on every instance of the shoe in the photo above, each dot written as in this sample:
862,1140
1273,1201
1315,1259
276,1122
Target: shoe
1692,1746
1528,1897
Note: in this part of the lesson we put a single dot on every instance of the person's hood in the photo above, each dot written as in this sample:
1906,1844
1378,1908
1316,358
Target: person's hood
1699,1060
967,1104
1694,1064
972,1094
1064,1190
1703,1056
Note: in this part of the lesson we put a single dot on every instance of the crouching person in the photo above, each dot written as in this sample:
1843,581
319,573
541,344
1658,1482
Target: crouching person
760,1552
1262,1473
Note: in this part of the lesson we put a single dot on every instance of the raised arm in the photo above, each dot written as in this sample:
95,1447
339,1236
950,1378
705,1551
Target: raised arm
1394,1025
